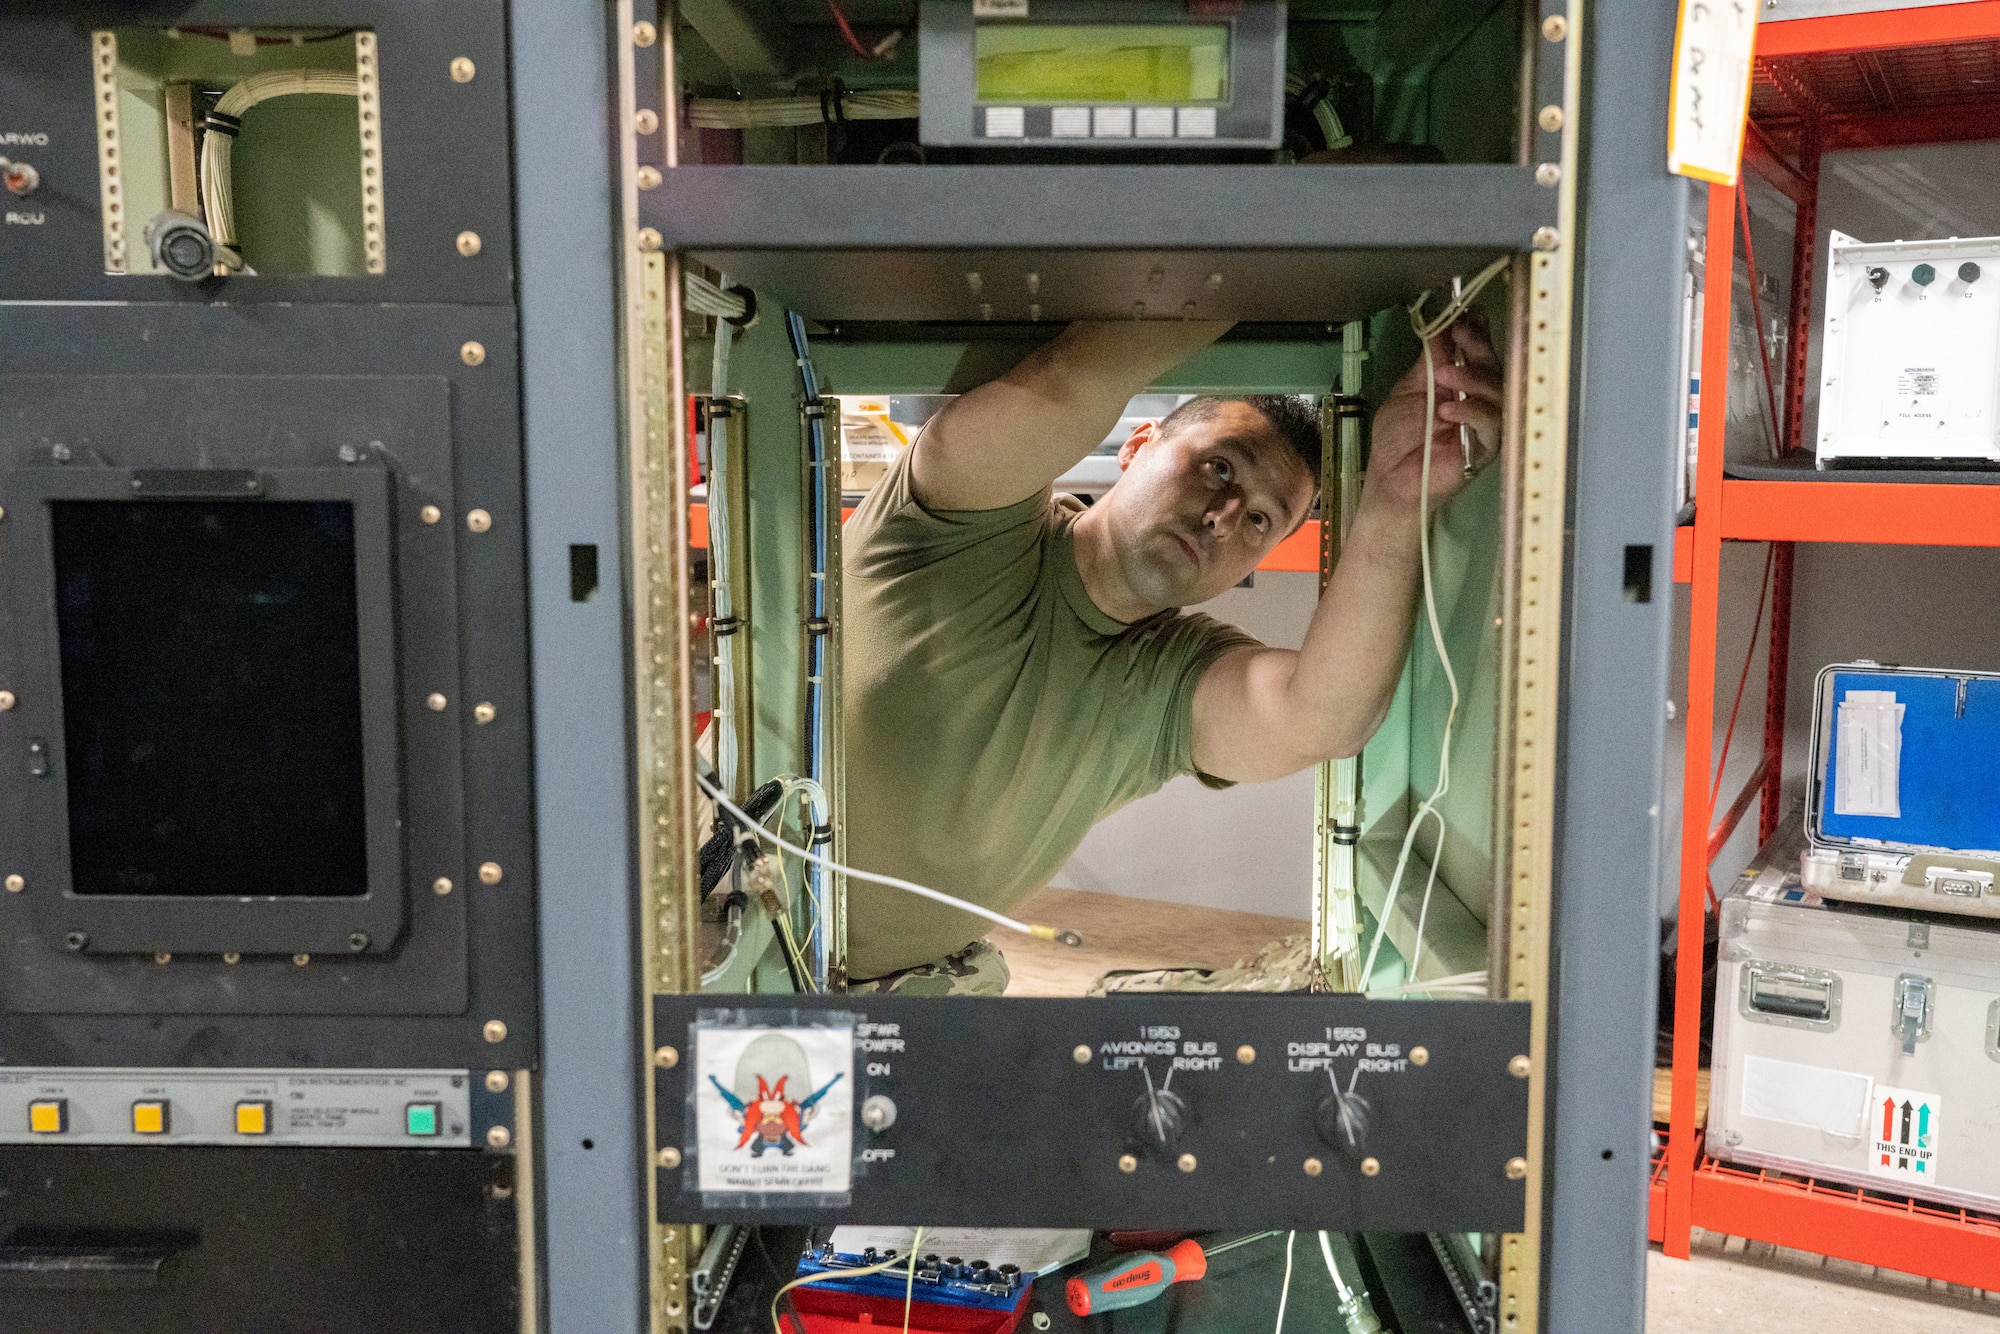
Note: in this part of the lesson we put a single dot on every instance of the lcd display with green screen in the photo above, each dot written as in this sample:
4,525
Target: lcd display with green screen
1167,64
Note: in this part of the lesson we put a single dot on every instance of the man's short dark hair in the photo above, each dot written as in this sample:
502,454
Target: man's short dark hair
1295,421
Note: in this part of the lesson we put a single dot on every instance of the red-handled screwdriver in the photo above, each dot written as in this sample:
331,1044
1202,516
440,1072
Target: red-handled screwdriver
1135,1279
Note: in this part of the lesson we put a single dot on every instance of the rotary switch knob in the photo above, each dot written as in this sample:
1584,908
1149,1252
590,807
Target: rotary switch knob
1159,1118
1342,1123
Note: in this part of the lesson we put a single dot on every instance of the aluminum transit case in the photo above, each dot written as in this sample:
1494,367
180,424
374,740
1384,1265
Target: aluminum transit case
1911,368
1856,1044
1903,805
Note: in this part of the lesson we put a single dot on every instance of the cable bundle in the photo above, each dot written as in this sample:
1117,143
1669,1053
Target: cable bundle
706,298
222,124
725,113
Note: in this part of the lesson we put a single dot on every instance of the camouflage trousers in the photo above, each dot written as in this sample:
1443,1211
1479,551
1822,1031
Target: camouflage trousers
977,970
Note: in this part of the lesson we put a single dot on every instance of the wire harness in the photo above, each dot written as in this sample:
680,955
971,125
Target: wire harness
223,123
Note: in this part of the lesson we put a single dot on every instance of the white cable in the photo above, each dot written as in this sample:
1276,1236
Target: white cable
217,197
726,722
726,113
1426,330
889,881
1333,1271
706,298
1286,1291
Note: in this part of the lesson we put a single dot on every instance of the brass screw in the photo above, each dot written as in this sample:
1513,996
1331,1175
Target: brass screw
670,1157
1520,1067
489,873
1550,118
15,884
1546,238
462,70
482,713
1314,1167
232,957
647,121
498,1137
644,33
1245,1054
648,178
435,701
1127,1163
1516,1168
1548,173
163,957
1080,1053
478,521
430,514
666,1058
496,1081
1371,1167
1185,1162
468,244
302,959
6,700
441,886
472,352
1420,1056
649,239
1555,27
495,1030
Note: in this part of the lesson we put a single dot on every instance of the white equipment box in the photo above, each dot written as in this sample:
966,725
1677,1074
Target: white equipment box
1854,1044
1910,370
1901,812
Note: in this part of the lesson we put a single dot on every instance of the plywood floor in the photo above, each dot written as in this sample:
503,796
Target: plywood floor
1127,933
1730,1286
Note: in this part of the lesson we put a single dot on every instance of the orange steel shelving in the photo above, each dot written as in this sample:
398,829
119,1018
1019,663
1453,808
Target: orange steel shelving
1878,79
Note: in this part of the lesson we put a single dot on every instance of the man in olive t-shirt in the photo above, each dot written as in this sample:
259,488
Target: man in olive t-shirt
1016,664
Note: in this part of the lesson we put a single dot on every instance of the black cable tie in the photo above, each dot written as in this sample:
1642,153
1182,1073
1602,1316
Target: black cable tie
814,407
819,625
720,407
749,299
725,625
831,98
1350,405
1346,835
822,834
222,122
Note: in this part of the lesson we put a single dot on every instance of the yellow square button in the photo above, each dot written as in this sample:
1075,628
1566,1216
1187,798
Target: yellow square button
253,1118
50,1116
149,1118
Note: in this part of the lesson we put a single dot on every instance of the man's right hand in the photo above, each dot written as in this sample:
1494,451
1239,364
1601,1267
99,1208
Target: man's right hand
1009,438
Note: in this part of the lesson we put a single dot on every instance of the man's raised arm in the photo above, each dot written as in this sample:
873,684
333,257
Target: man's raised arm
1010,437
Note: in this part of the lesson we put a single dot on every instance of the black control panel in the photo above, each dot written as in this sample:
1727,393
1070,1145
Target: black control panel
1322,1111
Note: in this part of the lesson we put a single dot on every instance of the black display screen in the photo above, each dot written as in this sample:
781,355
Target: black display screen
211,697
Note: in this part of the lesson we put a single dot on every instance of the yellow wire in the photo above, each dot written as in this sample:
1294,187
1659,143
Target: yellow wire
908,1261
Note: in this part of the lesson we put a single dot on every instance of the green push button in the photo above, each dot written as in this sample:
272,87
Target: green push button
421,1118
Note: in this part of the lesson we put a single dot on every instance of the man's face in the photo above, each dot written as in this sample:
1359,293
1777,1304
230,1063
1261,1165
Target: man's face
1199,506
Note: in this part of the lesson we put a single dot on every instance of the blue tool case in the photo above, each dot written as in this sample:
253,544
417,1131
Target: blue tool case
1904,806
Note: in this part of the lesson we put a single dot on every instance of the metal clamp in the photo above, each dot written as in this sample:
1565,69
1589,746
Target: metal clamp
1911,1019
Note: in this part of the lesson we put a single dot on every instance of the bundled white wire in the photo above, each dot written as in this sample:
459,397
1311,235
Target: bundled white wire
217,197
1285,1292
888,881
706,298
1426,330
1458,984
725,113
710,298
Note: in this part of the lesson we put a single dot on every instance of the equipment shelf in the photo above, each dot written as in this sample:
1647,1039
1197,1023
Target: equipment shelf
1890,78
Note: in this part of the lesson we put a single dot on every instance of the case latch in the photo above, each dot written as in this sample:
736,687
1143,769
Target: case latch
1912,1018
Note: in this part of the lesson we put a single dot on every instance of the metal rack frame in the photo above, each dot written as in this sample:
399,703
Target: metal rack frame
1594,485
1820,84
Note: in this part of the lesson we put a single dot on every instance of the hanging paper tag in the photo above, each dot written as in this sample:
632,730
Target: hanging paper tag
1868,729
1711,89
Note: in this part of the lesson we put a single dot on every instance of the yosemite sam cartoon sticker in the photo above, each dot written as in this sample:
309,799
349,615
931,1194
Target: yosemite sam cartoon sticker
774,1110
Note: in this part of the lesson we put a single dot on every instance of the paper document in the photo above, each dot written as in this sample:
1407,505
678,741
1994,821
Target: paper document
1868,732
1037,1250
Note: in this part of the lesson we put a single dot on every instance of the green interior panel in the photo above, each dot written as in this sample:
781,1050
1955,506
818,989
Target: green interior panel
295,167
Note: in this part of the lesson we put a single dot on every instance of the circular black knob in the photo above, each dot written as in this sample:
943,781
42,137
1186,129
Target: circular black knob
1158,1118
1342,1122
1923,275
1968,272
1877,276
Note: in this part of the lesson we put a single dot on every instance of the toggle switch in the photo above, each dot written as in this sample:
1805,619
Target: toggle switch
19,177
1159,1118
1342,1122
